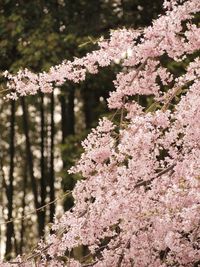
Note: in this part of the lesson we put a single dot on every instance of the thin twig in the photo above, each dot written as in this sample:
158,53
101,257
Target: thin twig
122,254
166,105
90,264
35,210
145,183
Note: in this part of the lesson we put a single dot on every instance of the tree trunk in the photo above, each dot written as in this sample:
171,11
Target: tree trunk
67,113
68,128
51,172
42,164
31,167
9,191
21,245
91,102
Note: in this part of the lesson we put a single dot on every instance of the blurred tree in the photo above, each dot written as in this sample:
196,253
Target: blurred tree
9,186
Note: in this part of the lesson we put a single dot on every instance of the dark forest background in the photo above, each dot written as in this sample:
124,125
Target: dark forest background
40,136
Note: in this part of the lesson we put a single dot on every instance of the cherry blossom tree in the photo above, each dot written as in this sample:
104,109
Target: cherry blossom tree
138,203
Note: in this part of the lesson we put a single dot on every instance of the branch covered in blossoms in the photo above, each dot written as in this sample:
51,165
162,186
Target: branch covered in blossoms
138,203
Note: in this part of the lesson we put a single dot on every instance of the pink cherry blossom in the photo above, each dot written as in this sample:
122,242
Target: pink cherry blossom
138,203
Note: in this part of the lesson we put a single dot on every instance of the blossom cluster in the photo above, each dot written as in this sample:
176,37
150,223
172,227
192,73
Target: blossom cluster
138,203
